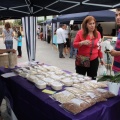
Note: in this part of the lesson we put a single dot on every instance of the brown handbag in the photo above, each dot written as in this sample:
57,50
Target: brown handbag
84,61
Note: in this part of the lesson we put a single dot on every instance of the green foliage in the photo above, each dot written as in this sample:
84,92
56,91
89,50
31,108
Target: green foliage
17,22
111,78
1,23
39,22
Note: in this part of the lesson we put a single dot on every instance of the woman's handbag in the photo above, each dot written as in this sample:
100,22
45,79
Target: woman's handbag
84,61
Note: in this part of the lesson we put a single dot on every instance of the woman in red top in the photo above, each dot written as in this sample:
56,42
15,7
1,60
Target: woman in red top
83,42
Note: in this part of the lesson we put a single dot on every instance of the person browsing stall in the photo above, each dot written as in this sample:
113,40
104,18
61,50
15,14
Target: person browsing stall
87,41
73,33
116,52
67,44
8,36
61,40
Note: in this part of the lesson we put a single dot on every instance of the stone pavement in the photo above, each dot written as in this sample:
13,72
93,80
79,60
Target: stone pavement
47,54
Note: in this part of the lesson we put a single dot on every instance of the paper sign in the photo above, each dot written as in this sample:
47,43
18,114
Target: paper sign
48,91
71,22
7,75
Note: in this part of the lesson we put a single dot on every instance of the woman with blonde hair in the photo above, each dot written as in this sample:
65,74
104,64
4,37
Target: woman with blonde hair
87,41
8,36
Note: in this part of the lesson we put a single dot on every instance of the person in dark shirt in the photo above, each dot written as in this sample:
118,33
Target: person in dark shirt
100,29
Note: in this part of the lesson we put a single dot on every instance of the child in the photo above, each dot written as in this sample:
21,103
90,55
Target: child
55,40
19,39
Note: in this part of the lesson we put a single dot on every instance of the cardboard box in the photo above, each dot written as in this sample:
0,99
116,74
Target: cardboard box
4,60
8,60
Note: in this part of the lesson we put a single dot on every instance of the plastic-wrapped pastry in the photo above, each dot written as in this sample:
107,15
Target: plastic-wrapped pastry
23,74
25,70
55,77
76,81
73,77
87,78
48,81
56,85
46,74
102,84
40,77
88,97
83,86
99,96
40,84
67,81
92,83
80,76
18,71
46,67
104,93
53,68
63,96
43,69
32,78
33,72
81,80
38,71
67,75
74,74
76,105
74,90
35,67
28,67
96,84
59,72
51,73
62,77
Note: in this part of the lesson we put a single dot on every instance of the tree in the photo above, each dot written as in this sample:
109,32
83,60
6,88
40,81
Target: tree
39,22
17,22
1,23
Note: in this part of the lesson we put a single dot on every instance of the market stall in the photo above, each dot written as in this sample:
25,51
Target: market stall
29,102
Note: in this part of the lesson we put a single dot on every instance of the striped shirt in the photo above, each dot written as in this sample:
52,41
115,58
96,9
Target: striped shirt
116,64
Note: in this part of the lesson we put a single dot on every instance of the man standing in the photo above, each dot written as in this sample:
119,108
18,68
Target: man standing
100,29
38,33
116,51
67,44
61,40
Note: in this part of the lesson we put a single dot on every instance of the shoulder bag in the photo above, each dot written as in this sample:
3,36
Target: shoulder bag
84,61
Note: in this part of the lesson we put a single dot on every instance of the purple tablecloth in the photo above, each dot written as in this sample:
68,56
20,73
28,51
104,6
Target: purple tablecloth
29,103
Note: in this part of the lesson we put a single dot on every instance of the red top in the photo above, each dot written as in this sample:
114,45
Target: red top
84,49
